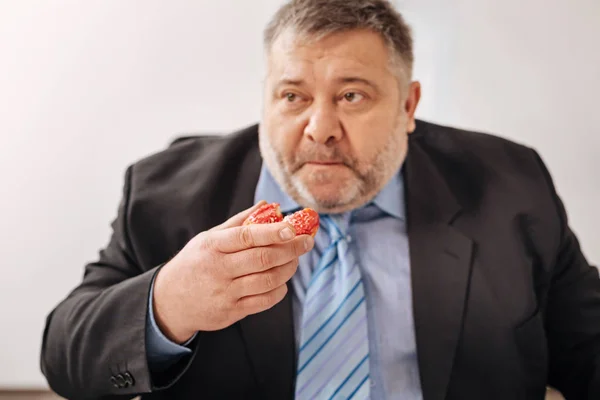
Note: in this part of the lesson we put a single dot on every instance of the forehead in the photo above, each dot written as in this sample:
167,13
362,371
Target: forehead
351,52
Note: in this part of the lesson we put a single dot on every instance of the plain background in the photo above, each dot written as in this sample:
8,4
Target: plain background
88,87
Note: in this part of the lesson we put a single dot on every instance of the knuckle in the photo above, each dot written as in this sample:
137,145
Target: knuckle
205,241
238,304
241,308
246,236
264,258
269,281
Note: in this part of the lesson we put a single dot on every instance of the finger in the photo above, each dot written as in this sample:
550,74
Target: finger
244,237
261,302
260,259
238,218
263,282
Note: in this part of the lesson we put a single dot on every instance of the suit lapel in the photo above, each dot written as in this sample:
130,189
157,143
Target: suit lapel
269,335
440,268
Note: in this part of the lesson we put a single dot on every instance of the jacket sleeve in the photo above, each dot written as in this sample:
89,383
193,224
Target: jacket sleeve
572,314
94,342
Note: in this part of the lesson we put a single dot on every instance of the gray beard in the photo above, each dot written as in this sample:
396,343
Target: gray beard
362,190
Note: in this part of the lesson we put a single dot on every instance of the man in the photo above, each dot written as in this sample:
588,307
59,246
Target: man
444,267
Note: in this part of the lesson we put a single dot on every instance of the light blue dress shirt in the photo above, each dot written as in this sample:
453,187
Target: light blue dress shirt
379,231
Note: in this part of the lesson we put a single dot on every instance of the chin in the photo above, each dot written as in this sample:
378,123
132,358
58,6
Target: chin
328,197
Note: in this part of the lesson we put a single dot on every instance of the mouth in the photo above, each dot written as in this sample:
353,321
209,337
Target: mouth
324,163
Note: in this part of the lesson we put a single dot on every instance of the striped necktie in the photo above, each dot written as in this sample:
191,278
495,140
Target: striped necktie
333,357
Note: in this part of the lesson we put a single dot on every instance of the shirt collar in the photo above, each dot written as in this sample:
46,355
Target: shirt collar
390,199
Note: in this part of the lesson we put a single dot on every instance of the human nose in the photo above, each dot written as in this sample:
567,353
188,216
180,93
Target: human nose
323,126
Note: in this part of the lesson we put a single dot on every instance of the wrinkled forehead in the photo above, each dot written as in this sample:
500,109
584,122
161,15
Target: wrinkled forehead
356,53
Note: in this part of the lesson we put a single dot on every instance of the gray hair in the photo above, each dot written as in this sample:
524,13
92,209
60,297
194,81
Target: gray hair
316,19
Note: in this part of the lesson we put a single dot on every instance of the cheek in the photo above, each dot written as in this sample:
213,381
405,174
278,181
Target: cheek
283,133
368,134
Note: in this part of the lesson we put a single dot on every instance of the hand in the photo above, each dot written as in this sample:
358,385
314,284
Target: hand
226,273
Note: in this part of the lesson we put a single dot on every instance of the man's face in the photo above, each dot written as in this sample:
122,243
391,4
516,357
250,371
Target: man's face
335,119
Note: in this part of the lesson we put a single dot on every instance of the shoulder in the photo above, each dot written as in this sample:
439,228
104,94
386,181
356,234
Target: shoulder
173,194
495,175
472,153
190,154
483,168
461,141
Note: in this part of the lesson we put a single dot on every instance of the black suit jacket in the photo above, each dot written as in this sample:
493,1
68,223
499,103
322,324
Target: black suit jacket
504,301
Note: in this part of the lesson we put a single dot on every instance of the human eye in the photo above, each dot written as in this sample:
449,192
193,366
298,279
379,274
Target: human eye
291,97
353,97
292,100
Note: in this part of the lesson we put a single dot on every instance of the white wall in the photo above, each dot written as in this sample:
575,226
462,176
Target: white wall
88,87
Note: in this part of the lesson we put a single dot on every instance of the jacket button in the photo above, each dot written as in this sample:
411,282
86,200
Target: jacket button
121,381
129,378
114,382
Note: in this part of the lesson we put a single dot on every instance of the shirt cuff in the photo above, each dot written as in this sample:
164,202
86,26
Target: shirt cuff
160,350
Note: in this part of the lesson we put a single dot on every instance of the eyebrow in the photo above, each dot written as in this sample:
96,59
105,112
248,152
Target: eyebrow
356,79
291,82
343,79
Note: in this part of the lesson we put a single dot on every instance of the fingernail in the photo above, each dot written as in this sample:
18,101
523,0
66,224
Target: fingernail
308,243
286,233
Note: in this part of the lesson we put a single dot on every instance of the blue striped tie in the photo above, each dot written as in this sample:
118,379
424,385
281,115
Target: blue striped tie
333,358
